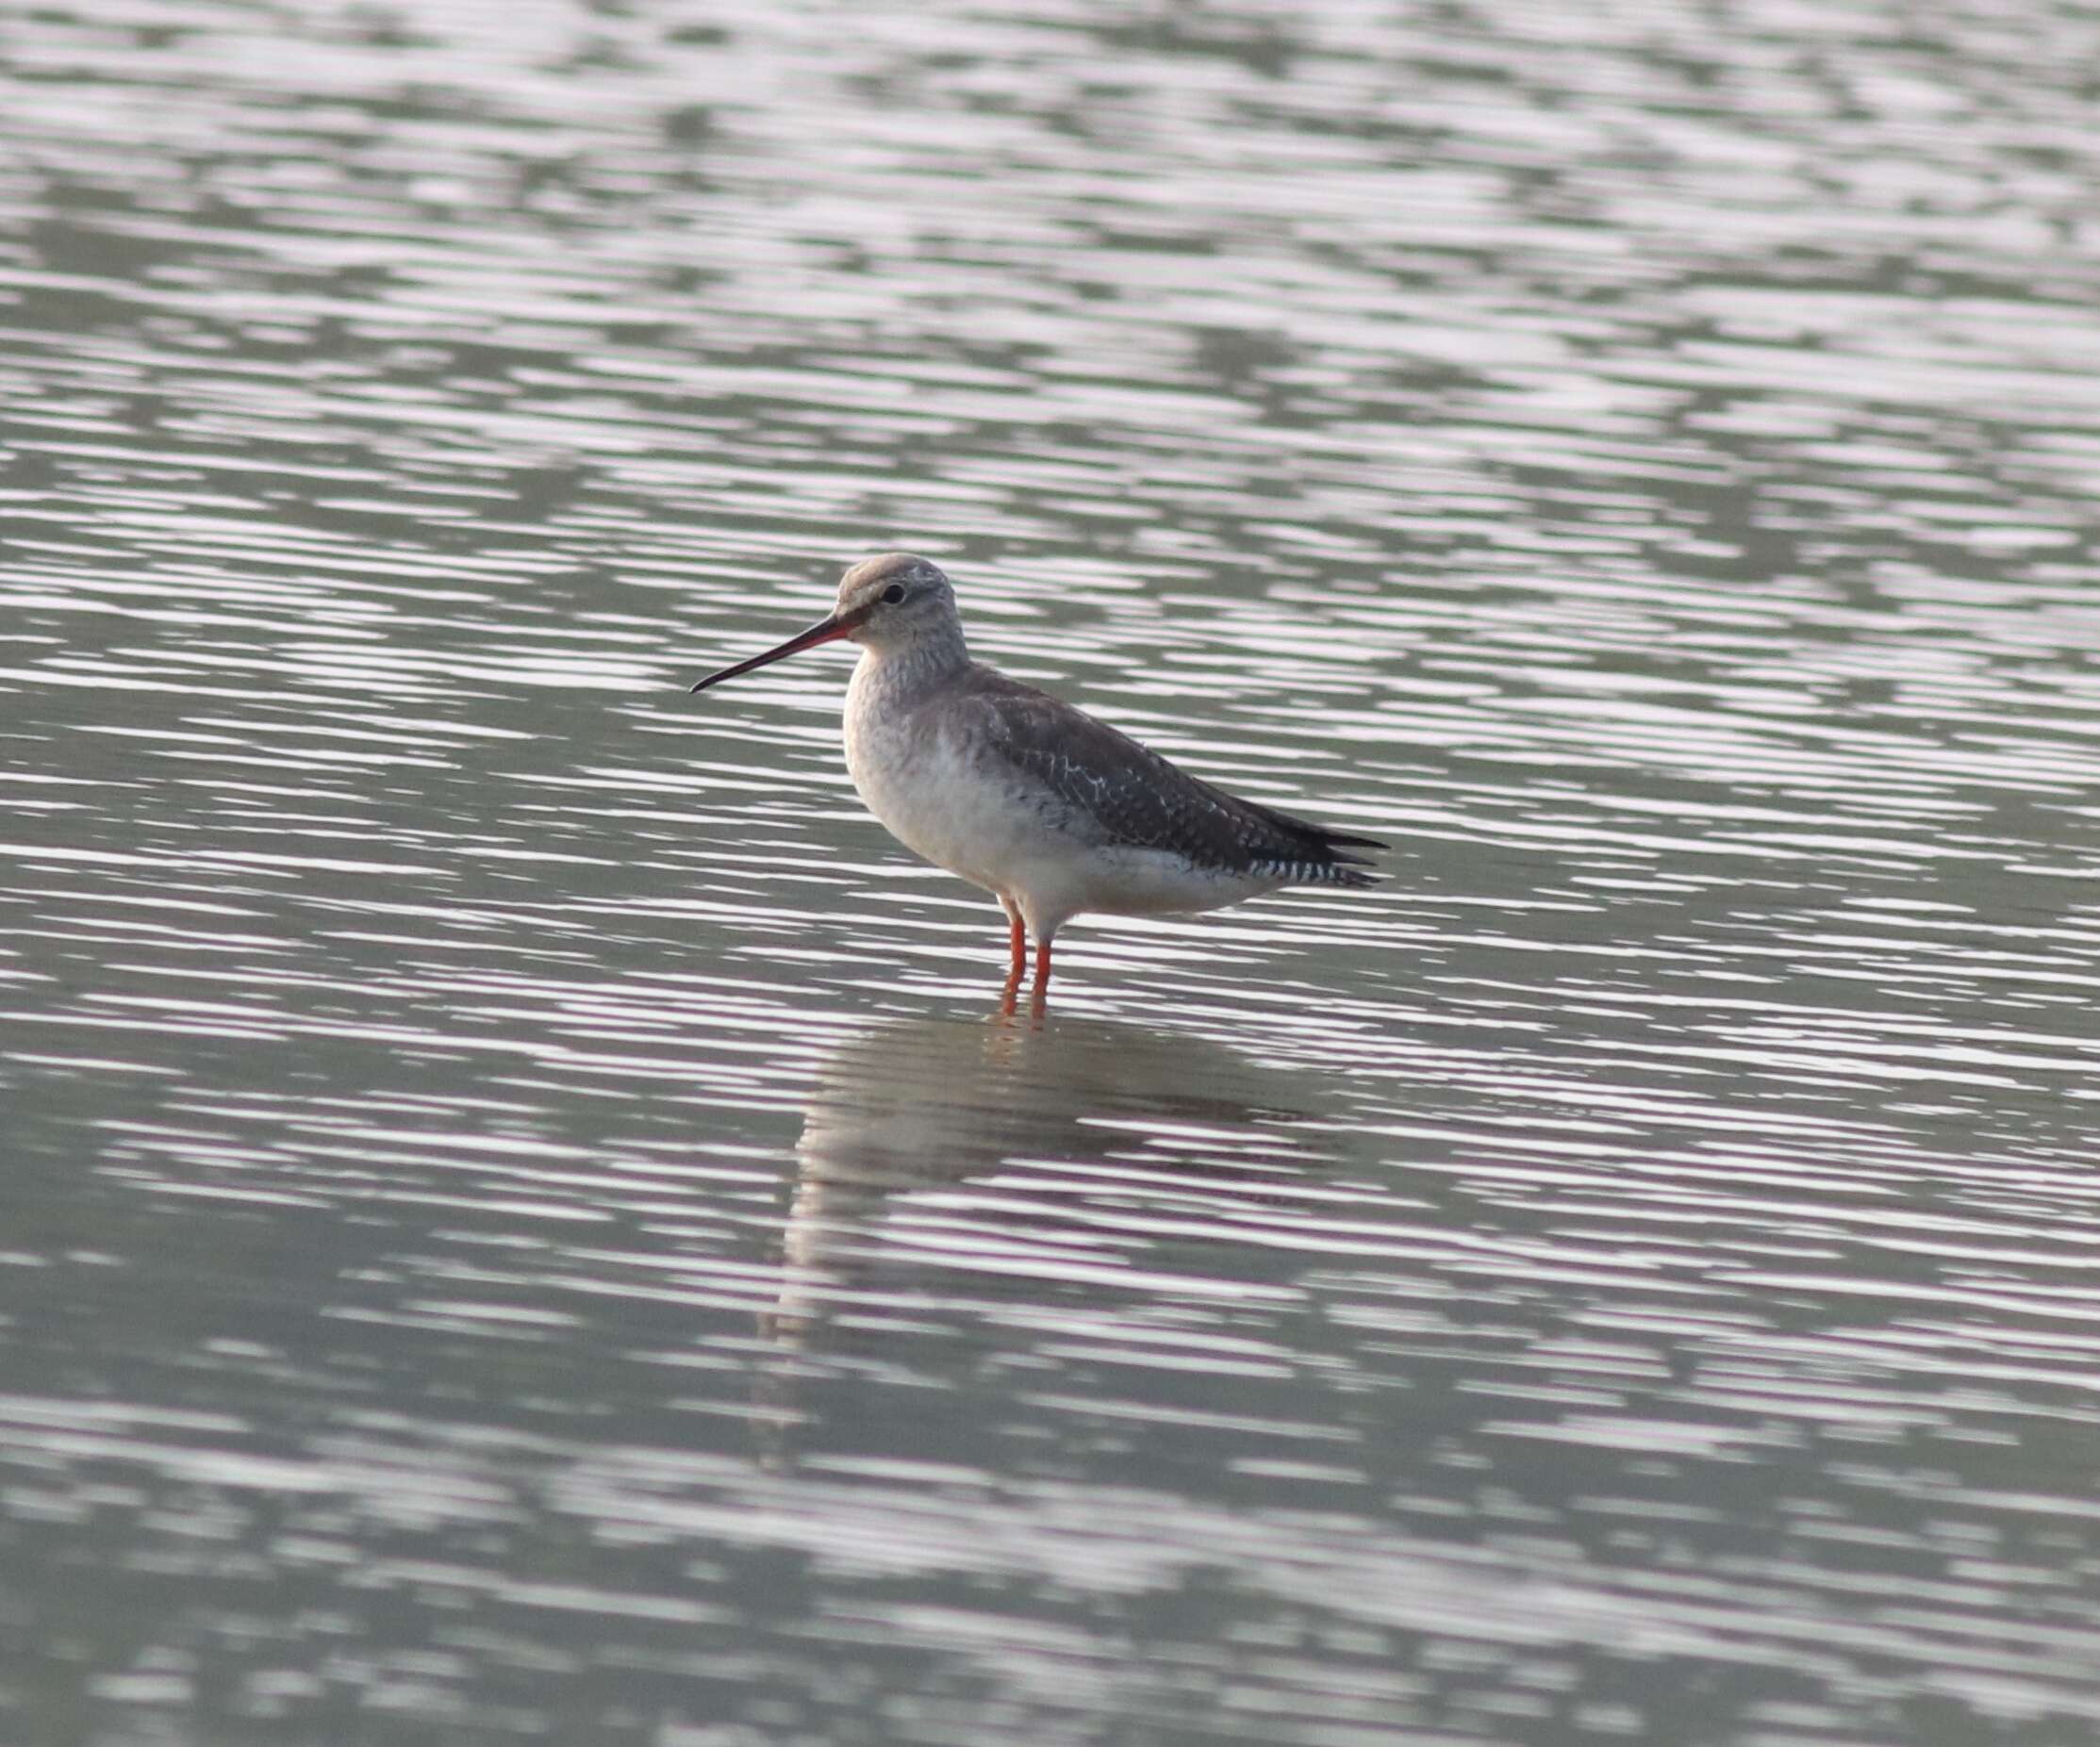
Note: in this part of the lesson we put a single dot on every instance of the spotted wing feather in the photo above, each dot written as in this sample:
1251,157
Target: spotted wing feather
1129,796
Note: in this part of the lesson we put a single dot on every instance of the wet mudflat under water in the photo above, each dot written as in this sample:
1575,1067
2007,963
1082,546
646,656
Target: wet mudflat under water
517,1223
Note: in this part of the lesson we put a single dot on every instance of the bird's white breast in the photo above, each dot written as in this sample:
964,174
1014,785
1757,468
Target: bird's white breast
925,785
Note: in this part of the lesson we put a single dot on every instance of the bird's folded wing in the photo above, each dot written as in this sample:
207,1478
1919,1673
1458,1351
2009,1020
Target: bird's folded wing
1126,795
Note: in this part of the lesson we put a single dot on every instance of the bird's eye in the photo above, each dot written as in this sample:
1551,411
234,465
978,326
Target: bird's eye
893,594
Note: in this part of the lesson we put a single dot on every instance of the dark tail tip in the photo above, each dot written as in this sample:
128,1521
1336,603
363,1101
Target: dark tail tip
1337,846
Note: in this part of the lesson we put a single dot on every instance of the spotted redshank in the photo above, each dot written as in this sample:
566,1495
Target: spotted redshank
1050,811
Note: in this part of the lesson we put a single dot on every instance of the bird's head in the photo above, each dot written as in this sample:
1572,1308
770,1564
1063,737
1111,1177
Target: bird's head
884,602
894,598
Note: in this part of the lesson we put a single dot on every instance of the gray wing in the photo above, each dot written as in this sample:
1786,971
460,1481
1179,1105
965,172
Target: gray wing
1127,795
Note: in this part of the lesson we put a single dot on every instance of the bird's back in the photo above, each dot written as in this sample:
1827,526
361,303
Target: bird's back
1102,784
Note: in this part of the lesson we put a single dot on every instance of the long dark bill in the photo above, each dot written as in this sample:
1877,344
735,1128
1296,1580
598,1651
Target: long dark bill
825,630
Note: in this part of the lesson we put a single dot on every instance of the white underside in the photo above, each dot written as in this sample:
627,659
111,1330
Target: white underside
963,813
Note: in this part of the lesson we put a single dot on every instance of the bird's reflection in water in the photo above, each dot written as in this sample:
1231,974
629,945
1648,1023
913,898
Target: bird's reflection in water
1069,1118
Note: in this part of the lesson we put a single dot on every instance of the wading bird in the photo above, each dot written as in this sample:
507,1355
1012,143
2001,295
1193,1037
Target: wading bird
1050,811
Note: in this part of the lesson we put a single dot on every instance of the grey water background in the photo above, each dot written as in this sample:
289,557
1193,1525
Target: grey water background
515,1225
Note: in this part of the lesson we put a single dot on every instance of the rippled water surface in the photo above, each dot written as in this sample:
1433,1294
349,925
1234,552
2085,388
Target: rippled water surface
516,1223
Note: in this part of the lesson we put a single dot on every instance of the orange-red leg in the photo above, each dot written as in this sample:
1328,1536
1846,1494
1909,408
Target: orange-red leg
1041,991
1018,965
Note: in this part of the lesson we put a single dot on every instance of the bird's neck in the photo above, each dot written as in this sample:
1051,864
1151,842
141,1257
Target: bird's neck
909,670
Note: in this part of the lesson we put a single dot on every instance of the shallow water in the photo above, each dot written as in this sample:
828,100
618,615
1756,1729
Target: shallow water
518,1224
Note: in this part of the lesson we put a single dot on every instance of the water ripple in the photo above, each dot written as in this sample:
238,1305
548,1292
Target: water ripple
518,1221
